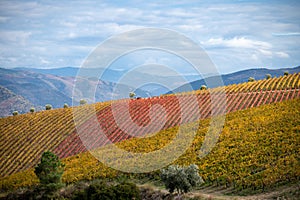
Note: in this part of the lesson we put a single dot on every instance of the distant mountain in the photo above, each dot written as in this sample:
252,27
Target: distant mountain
40,89
10,102
236,77
108,74
115,76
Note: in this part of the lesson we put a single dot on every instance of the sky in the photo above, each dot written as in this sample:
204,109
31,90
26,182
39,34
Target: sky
236,34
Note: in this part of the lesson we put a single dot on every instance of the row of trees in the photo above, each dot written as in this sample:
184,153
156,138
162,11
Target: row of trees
268,76
49,107
50,170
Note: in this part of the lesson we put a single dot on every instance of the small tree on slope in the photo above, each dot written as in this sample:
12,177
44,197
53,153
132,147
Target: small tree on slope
49,171
182,179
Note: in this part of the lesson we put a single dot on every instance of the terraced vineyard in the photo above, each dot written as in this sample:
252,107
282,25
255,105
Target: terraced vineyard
255,154
25,137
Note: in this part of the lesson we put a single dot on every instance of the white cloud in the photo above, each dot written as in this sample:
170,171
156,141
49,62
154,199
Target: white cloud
3,19
64,33
15,37
282,55
44,61
286,34
238,42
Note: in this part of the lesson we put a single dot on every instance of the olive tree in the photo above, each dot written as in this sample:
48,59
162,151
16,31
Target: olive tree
82,101
131,94
203,87
286,73
251,79
268,76
181,179
48,106
32,109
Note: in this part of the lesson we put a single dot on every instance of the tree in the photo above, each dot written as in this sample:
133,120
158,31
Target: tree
203,87
286,73
66,105
268,76
49,171
32,109
82,101
251,79
15,113
182,179
48,106
131,94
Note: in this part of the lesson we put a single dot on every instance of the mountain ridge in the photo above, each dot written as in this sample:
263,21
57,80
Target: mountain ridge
237,77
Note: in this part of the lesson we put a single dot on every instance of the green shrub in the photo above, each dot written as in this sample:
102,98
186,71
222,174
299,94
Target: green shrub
268,76
286,73
32,109
182,179
100,191
66,105
48,106
103,191
251,79
131,94
127,191
203,87
15,113
82,101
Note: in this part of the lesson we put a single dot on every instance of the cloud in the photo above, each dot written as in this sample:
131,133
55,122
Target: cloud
3,19
238,42
64,33
15,37
286,34
282,55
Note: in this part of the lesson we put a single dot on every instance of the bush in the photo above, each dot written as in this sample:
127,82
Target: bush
182,179
251,79
66,105
32,109
131,94
82,101
286,73
101,190
15,113
268,76
127,191
203,87
48,106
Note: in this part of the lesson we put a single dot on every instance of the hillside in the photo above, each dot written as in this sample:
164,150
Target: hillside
25,137
195,81
238,77
41,89
10,102
114,76
255,156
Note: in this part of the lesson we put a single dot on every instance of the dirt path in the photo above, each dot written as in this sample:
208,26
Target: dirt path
281,193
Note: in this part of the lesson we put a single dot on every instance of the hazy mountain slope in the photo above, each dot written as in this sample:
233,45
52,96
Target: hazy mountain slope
238,77
41,89
37,88
10,102
110,75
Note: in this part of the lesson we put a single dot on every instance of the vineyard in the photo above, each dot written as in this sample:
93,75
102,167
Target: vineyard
256,155
272,129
